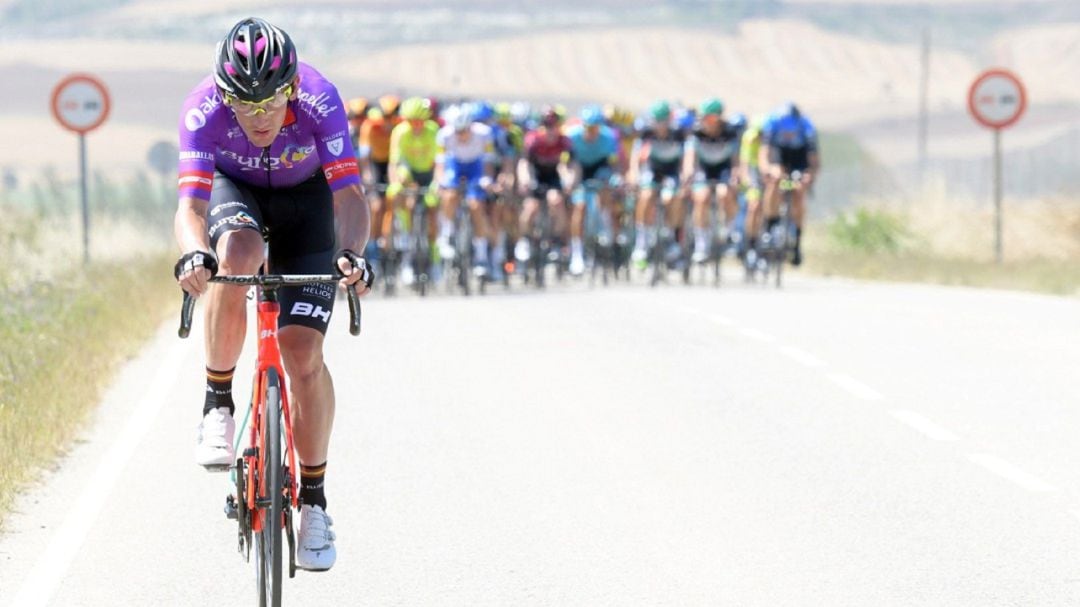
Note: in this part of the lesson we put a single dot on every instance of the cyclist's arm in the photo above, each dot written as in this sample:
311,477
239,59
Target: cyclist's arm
689,160
526,174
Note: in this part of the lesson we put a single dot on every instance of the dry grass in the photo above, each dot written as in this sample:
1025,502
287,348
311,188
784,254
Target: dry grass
65,328
952,242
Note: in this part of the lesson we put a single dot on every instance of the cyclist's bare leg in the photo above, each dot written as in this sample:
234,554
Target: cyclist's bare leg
378,209
448,206
239,252
311,392
701,207
726,193
577,221
644,215
481,228
557,207
390,207
529,208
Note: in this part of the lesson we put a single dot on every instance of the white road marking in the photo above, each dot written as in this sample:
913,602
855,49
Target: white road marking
924,425
723,321
51,567
688,310
802,357
855,387
1011,472
757,335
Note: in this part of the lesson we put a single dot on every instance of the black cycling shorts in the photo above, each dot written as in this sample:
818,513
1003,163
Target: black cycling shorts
792,159
380,171
297,224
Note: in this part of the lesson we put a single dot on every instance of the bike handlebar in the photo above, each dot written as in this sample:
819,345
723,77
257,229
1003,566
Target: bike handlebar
273,281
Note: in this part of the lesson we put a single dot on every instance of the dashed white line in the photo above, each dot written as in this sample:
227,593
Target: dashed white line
855,387
52,565
924,425
1011,472
802,357
757,335
723,321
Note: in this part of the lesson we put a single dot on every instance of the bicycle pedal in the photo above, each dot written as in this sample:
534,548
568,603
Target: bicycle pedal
231,511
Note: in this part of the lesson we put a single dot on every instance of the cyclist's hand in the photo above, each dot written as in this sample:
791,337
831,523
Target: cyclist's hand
193,271
356,271
807,178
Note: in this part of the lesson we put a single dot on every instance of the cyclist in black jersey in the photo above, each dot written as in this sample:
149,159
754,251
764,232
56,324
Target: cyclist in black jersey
714,154
658,163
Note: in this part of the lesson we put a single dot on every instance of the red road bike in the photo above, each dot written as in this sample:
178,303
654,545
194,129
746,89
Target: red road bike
265,473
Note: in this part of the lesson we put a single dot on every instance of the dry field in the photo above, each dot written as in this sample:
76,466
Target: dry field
845,82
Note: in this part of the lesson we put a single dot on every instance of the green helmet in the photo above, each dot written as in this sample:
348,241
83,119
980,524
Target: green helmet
502,111
660,110
712,105
415,108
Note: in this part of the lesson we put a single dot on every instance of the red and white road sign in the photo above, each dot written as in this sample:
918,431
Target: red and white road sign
80,103
997,99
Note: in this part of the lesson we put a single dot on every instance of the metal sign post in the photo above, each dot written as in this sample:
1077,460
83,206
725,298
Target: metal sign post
80,103
997,100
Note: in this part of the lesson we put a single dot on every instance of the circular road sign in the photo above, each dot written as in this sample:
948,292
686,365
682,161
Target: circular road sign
997,99
80,103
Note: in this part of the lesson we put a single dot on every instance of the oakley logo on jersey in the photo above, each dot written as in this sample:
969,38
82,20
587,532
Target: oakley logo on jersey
195,119
303,308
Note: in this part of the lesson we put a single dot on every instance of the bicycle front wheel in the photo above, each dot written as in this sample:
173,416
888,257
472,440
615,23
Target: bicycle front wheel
268,540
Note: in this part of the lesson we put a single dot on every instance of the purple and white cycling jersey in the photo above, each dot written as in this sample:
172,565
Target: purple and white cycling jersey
315,133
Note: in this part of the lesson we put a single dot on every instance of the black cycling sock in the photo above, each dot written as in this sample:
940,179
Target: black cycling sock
219,390
311,485
798,236
771,222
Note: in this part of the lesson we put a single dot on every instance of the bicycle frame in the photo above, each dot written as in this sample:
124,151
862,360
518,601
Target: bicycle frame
268,357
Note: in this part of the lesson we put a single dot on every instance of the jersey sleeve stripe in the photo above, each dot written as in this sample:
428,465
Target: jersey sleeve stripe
342,173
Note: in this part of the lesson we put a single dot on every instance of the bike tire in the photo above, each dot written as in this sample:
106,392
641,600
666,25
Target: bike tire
268,541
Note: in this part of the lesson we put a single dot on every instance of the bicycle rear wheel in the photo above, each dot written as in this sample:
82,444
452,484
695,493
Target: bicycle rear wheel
268,540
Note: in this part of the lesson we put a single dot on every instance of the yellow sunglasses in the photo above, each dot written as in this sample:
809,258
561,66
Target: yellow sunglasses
254,108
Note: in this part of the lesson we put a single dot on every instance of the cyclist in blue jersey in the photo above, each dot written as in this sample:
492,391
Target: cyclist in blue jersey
789,143
266,164
596,152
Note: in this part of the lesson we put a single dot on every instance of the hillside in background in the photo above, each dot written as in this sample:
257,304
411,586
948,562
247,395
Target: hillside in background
853,65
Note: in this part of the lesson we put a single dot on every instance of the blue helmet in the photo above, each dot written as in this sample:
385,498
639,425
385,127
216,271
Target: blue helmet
684,119
483,111
592,115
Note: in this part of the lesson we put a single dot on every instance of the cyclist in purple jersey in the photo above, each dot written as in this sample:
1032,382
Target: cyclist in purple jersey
266,164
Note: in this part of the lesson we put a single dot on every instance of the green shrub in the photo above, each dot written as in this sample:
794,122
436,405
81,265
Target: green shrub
867,230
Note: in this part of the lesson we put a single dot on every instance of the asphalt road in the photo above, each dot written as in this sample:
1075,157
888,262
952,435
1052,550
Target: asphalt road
836,443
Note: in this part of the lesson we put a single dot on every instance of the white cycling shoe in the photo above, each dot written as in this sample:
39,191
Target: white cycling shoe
577,265
315,542
214,445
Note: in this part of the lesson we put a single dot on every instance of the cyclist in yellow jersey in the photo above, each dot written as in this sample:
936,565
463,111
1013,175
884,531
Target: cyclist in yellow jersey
750,178
413,148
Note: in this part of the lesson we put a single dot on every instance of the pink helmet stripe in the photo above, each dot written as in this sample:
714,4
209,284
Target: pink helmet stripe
276,63
240,47
230,69
260,44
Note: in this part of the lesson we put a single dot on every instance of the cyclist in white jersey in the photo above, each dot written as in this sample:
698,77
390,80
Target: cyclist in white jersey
465,156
